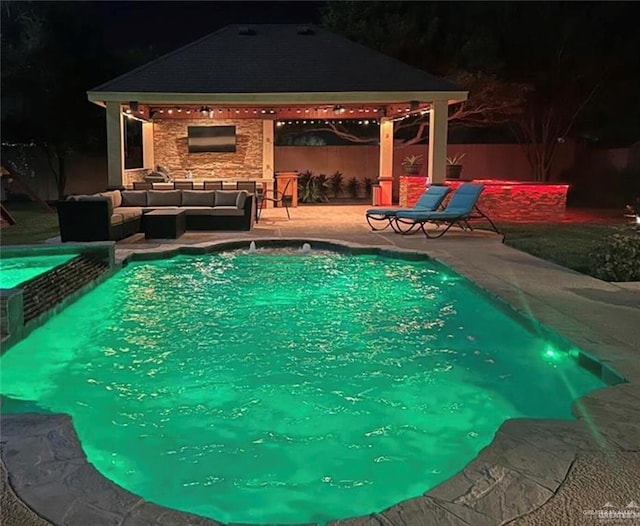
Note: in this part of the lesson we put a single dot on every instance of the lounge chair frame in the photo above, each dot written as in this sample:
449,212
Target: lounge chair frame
388,215
410,225
462,221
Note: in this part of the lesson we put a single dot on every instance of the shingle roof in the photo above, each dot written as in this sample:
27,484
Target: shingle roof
274,59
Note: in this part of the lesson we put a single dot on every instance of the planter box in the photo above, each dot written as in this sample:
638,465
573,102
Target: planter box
515,201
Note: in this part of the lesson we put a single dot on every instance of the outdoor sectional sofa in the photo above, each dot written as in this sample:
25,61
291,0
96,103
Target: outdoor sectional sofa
117,214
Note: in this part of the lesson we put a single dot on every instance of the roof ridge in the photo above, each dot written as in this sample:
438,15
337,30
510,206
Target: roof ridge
160,58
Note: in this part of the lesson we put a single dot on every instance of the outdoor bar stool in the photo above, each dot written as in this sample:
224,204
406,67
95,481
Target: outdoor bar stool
250,186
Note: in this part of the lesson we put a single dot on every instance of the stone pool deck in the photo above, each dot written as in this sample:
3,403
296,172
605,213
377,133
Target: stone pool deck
535,472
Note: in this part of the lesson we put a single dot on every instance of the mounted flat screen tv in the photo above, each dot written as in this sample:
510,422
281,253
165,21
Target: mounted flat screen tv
211,139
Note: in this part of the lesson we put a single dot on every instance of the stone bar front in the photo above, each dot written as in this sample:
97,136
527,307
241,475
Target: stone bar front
517,201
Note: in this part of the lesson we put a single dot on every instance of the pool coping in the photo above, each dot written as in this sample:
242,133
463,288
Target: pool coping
518,472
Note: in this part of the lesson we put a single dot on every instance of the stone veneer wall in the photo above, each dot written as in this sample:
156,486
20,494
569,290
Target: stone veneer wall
128,176
410,190
171,150
522,202
503,201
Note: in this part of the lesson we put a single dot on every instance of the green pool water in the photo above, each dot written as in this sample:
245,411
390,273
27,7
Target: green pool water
282,388
17,270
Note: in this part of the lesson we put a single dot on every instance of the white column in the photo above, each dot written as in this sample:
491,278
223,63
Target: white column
268,156
385,174
115,145
147,145
438,121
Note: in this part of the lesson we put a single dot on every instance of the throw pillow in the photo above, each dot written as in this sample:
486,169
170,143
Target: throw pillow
197,198
164,197
226,197
134,198
115,196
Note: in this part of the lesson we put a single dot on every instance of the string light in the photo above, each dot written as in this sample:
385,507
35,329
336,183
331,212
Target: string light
360,122
310,112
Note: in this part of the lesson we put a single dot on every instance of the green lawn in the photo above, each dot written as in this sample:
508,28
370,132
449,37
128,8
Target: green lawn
33,225
567,244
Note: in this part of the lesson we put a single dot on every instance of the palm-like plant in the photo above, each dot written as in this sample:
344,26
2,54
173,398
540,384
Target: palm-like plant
353,186
336,183
455,159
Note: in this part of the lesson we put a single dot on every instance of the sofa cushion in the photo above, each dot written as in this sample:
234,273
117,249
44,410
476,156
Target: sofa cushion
226,197
164,197
117,219
134,198
226,211
115,196
198,198
197,210
146,209
128,212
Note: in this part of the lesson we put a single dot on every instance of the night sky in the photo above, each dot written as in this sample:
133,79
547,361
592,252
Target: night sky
169,25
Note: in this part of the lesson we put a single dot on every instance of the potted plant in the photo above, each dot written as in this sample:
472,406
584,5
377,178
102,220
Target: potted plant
454,166
412,164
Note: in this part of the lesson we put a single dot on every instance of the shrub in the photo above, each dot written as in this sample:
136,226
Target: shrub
618,258
368,185
312,188
306,187
353,187
336,182
322,186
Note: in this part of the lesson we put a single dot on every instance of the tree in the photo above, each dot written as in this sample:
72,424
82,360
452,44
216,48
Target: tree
439,38
549,70
577,60
52,54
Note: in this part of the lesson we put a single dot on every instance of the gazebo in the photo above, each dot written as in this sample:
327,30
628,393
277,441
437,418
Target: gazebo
248,78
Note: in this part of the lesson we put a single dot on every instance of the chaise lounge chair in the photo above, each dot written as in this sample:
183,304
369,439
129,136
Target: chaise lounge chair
461,208
429,201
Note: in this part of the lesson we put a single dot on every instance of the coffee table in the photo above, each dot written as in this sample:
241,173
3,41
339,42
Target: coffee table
164,224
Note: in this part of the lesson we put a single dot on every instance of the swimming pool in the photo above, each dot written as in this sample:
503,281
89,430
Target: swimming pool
17,270
272,388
